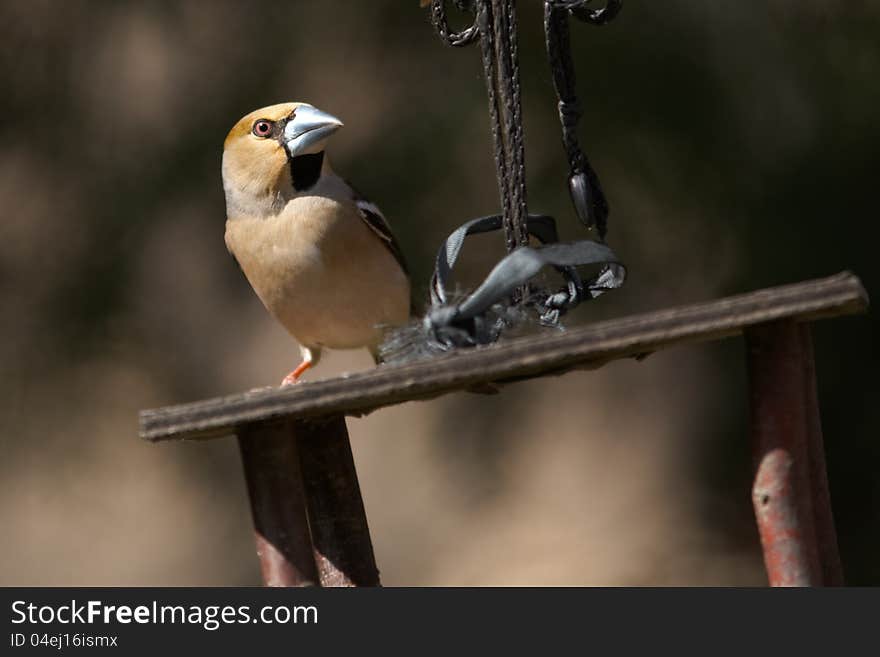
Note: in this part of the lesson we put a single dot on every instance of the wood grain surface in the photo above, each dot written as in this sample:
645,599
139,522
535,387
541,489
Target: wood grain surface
550,352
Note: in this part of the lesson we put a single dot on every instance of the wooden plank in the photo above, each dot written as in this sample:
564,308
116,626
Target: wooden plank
545,353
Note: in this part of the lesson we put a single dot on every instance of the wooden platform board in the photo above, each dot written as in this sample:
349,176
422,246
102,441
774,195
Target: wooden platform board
545,353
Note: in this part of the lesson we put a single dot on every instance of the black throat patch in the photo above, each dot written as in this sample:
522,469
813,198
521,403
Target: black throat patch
305,170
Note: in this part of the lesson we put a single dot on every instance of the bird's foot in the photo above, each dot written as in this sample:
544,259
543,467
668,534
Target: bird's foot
293,377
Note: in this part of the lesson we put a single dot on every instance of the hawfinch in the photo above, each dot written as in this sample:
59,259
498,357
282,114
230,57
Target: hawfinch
322,258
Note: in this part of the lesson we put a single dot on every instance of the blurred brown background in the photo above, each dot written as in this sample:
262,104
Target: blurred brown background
737,142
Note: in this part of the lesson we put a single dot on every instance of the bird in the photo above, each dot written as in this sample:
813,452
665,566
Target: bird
320,256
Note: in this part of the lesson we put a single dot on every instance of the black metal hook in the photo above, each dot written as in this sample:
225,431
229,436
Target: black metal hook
441,24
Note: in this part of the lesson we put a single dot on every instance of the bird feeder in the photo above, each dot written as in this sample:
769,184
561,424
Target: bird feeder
309,519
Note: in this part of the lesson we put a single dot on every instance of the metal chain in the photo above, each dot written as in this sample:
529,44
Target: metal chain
494,89
517,147
495,24
586,192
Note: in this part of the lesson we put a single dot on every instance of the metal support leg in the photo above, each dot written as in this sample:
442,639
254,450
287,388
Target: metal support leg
309,518
341,538
790,491
829,555
274,483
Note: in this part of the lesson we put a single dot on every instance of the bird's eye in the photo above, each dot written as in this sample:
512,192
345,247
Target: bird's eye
263,128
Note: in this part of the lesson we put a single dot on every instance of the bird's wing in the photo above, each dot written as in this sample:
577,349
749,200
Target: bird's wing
377,222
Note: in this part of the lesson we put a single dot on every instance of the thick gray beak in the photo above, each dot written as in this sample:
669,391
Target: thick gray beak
308,128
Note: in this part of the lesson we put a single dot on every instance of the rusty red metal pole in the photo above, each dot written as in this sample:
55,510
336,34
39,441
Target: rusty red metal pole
783,490
274,482
309,518
340,536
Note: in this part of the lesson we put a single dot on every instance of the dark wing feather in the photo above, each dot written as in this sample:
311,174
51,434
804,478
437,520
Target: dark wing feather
376,221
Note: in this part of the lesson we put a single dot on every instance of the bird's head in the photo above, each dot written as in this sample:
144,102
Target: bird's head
275,149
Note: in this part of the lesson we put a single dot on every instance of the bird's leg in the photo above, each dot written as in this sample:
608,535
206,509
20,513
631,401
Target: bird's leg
310,357
293,377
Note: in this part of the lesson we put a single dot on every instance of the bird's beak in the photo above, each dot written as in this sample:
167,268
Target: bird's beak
307,129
